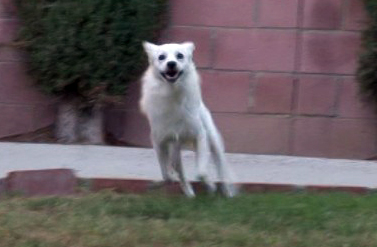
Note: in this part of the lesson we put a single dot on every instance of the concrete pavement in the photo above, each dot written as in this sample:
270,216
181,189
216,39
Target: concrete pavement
137,163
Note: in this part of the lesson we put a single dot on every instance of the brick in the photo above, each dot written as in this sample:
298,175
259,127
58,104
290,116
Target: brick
202,39
173,188
347,189
351,104
317,95
322,14
255,49
42,182
136,186
236,13
274,13
254,134
272,93
353,138
8,30
15,119
139,186
330,52
311,137
264,187
226,91
17,87
355,16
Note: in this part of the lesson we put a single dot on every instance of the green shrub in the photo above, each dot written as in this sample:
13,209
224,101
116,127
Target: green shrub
367,69
89,49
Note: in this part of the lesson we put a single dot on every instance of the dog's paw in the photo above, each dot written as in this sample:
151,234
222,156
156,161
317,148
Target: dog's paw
172,176
189,192
229,190
210,186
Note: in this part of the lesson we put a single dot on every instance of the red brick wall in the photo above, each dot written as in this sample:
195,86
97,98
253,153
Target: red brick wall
278,76
22,108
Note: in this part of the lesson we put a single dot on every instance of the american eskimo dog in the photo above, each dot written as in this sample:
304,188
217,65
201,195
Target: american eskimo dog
171,100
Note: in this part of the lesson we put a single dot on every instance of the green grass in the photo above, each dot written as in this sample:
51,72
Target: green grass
108,219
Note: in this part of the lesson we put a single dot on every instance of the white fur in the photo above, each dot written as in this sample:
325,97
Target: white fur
178,116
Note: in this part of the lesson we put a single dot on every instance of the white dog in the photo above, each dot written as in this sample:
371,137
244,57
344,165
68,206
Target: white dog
171,100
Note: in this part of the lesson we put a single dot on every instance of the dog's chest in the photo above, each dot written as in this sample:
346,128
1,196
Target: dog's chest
175,116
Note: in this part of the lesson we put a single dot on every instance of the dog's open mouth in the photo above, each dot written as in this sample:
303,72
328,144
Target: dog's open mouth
171,75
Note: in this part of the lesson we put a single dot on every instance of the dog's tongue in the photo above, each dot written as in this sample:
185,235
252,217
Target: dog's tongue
171,73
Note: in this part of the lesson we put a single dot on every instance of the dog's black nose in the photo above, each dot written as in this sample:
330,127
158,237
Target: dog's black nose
171,64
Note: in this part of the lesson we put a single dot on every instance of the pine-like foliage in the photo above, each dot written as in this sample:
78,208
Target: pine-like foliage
88,48
367,69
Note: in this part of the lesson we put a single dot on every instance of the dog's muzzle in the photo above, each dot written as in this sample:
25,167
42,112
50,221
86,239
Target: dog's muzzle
171,74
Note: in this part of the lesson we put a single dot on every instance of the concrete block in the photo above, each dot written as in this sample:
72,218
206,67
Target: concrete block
226,91
272,93
355,16
317,95
254,134
353,138
330,52
255,49
202,39
322,14
312,136
351,102
236,13
274,13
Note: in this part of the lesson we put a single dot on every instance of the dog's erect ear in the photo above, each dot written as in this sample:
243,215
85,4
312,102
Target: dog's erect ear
150,49
190,46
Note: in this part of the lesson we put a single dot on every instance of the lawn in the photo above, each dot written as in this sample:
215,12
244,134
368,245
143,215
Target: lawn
110,220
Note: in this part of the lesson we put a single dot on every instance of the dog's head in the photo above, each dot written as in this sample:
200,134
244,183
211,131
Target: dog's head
170,60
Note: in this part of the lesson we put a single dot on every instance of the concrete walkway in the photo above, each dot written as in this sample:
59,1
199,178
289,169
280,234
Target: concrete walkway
137,163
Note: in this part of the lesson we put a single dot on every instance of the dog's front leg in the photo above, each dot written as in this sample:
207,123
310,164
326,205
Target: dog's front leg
162,152
177,163
202,154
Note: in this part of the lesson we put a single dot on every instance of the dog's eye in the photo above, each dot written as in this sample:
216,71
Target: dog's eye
161,57
180,56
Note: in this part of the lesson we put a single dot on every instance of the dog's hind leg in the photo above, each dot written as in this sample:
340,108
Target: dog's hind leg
225,175
218,153
177,164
